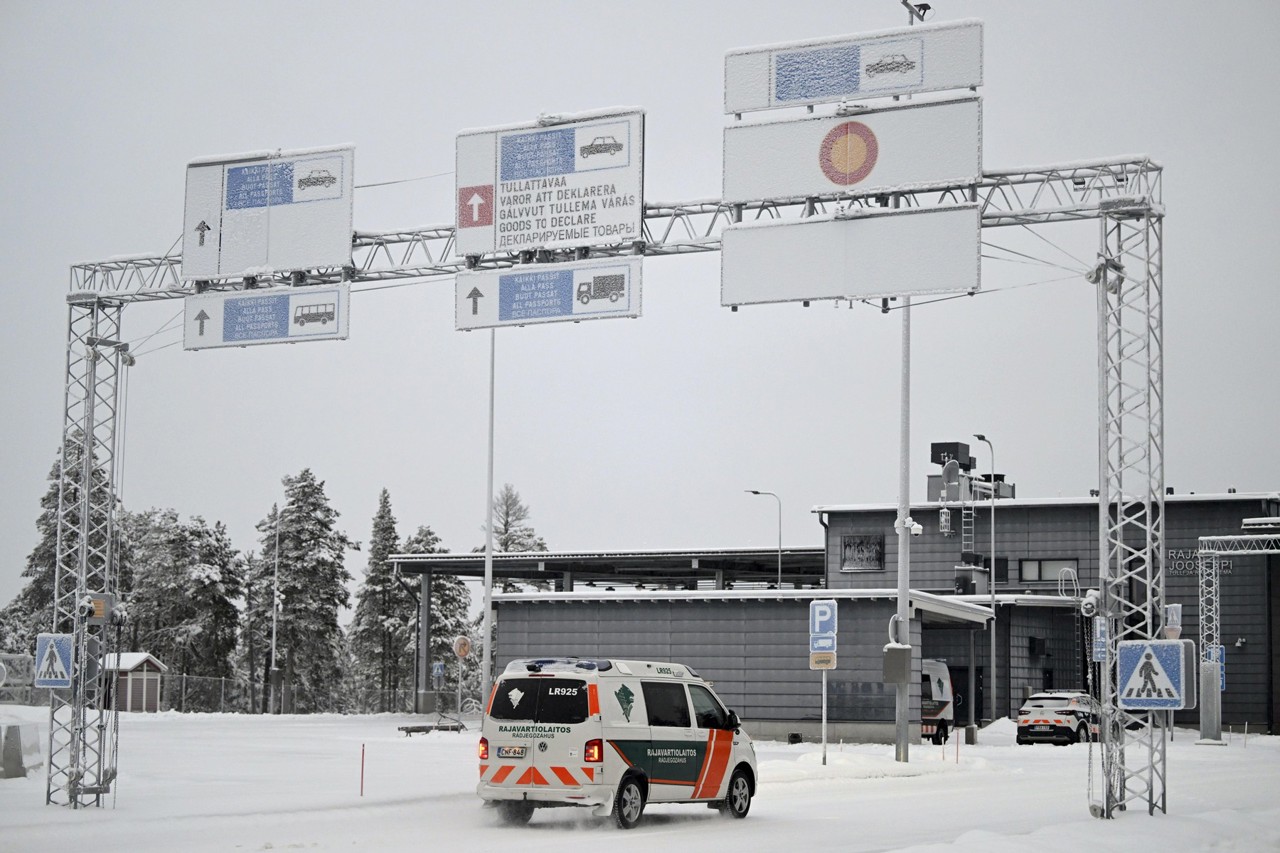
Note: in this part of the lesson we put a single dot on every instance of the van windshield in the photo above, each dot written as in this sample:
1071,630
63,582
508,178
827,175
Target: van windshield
540,700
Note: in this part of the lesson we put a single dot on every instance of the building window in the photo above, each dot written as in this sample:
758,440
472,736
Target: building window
862,553
1043,570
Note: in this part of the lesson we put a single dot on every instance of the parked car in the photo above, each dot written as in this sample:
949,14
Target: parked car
1058,716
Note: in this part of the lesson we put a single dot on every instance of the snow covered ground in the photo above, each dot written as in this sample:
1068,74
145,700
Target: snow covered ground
201,782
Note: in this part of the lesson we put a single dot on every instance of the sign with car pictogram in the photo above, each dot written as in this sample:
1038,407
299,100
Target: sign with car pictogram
568,182
903,61
546,293
903,147
238,318
266,212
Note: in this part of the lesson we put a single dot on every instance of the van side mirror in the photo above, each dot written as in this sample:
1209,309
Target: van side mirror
734,722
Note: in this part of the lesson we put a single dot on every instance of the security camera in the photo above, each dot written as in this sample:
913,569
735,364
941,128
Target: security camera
916,528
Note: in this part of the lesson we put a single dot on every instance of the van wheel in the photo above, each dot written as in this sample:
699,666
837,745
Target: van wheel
628,804
515,812
737,800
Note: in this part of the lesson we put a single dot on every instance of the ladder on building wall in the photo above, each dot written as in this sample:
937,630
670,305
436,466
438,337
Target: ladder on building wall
966,527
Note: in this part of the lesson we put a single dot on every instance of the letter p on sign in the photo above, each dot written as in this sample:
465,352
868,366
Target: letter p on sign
822,617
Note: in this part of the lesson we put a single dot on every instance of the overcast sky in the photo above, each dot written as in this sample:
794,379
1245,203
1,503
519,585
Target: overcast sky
636,433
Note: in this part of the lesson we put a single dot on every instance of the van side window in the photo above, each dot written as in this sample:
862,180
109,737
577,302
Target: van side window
706,710
666,703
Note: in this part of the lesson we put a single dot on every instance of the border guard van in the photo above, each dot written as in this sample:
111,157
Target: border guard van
613,735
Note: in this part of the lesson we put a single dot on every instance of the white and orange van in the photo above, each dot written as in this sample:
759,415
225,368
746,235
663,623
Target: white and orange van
613,735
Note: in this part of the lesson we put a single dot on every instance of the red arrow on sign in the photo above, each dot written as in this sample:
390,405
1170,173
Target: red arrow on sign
475,206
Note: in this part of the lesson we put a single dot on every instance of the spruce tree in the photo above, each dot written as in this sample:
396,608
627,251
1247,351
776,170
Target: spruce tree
31,610
384,614
186,579
450,603
312,592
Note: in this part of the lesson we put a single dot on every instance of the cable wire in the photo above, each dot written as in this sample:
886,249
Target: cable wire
403,180
1081,270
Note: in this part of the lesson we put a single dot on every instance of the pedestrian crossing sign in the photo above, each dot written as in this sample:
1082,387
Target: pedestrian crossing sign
1151,675
53,661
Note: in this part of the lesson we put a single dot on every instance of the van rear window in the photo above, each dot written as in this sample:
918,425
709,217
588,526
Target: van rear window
540,700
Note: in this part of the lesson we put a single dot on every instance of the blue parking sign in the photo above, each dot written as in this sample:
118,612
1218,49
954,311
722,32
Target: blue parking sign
822,616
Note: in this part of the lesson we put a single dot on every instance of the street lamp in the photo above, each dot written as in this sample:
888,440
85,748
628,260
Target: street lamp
991,576
779,500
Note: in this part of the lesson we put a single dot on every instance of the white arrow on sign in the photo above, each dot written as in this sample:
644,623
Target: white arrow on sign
475,201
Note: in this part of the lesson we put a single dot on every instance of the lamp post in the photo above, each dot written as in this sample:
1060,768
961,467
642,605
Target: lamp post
991,576
273,677
779,500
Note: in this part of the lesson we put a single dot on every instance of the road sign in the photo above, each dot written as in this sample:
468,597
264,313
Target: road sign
1099,654
822,660
269,316
578,182
823,615
1218,654
547,293
822,643
903,147
53,661
858,255
265,212
1151,675
901,61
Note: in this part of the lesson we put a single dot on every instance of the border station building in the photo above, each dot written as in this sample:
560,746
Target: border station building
722,611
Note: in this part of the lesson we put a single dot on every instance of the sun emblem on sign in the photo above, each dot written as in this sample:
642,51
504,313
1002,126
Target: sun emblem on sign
848,153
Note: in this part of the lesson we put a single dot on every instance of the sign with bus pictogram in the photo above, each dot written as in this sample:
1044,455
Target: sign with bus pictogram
238,318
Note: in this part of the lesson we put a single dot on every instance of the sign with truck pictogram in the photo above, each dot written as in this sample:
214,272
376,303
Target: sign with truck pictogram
547,293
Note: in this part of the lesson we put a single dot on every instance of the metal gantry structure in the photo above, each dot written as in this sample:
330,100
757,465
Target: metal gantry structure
1209,565
1123,194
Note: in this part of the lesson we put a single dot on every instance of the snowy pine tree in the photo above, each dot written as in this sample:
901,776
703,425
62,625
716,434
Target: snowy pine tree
186,579
511,534
312,591
450,603
381,634
31,610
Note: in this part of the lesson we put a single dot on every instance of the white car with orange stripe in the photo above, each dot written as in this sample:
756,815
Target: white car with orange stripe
613,735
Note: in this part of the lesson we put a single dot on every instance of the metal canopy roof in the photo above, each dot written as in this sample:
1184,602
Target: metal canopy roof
716,568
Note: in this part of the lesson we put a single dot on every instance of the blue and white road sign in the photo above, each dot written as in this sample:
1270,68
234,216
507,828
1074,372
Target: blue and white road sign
269,316
53,661
1218,654
822,617
1099,654
822,643
1150,675
544,293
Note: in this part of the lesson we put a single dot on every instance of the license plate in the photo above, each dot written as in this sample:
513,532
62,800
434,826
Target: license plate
1042,728
511,751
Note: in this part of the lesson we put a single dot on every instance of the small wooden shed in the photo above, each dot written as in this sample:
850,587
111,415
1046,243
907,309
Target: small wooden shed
137,680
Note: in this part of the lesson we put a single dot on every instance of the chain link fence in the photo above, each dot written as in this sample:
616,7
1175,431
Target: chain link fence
196,694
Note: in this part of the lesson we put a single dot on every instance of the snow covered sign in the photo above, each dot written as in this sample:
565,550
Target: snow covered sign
1151,675
904,61
859,254
268,211
562,182
53,661
911,146
545,293
238,318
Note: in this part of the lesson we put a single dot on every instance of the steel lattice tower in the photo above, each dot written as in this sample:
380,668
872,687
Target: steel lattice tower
1122,193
